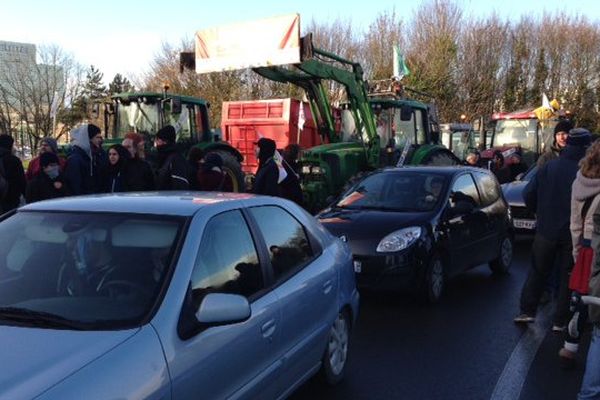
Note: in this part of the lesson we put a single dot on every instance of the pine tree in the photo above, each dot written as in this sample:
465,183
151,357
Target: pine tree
93,88
120,84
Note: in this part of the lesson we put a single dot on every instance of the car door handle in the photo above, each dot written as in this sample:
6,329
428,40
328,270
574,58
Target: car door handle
327,286
268,329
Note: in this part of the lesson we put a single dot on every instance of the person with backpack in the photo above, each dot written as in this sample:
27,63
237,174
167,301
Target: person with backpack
173,171
13,175
585,198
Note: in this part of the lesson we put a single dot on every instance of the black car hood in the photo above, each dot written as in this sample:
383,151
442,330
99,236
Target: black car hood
513,193
364,229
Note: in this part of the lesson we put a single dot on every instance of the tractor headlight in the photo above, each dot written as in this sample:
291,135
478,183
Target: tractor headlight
306,169
316,170
399,240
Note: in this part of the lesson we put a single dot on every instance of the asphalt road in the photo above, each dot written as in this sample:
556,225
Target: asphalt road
466,347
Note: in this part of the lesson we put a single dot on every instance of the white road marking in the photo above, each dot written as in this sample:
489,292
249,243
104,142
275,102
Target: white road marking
515,371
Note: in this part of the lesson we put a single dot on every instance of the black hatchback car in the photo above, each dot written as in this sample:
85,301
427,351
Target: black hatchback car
412,228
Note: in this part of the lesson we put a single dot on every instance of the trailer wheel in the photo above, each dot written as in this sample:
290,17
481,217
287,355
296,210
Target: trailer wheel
233,168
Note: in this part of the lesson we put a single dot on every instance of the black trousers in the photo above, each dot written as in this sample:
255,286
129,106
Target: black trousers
545,255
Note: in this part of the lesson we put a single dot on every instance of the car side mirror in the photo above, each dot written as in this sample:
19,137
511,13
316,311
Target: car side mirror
461,208
222,309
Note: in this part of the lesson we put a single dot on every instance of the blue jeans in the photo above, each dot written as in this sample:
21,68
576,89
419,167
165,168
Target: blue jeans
590,387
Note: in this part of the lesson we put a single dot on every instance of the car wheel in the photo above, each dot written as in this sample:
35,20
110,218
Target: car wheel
336,351
501,264
435,280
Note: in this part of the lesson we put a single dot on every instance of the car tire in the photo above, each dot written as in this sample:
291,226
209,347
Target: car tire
335,356
434,281
501,264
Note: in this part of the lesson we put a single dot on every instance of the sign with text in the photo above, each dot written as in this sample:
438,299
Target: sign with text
263,43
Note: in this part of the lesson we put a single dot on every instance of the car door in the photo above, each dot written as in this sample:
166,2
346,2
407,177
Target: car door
240,360
464,230
495,209
307,288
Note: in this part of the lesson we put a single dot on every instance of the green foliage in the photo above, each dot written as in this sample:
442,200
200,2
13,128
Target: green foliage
120,84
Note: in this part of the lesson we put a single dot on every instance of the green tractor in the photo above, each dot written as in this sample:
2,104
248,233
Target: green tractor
147,112
379,128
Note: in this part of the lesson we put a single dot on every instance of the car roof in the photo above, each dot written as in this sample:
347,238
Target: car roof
161,203
446,171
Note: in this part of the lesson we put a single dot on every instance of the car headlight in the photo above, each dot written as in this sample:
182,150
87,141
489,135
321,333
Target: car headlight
317,170
399,240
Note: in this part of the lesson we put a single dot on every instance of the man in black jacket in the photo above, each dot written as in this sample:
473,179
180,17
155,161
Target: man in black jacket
86,167
549,195
14,175
173,171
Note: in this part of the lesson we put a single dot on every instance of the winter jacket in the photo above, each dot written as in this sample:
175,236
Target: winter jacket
15,177
551,154
266,179
214,180
42,187
139,176
290,187
548,194
78,173
583,189
173,172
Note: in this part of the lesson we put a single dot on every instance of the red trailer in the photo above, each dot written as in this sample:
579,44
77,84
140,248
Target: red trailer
244,122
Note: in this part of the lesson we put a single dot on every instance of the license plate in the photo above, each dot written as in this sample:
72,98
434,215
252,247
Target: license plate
524,223
357,267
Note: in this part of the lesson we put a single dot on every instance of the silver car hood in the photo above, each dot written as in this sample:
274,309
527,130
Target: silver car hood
32,359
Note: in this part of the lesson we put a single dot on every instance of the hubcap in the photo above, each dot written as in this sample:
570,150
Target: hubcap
338,345
506,252
437,279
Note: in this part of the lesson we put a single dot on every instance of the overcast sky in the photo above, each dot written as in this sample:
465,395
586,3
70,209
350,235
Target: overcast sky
122,36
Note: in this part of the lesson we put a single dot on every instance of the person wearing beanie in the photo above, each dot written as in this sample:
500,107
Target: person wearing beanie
173,172
46,144
548,194
561,131
267,174
139,176
49,183
211,176
86,166
13,173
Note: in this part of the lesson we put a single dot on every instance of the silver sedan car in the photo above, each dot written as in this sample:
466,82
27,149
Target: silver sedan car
178,296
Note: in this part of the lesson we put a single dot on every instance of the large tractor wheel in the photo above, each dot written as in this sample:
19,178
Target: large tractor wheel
233,168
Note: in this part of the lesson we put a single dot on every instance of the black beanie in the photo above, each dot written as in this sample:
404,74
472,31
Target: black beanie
166,133
47,159
93,130
267,149
579,137
6,142
564,125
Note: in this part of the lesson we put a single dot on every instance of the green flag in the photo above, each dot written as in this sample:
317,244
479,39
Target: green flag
400,68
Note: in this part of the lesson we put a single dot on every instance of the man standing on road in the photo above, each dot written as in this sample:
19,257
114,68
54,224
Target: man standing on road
549,194
173,171
82,173
561,132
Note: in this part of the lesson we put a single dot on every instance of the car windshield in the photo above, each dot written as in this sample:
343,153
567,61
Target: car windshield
396,191
83,270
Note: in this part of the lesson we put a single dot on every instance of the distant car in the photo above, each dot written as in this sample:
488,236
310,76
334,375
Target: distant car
180,296
523,220
411,228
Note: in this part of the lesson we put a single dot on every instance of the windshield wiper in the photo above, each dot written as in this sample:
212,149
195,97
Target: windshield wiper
39,319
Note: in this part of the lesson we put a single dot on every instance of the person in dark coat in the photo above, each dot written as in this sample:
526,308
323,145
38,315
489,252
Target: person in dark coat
267,174
116,176
290,186
499,168
549,195
50,183
139,176
561,133
34,168
82,175
14,175
173,171
194,158
291,156
211,176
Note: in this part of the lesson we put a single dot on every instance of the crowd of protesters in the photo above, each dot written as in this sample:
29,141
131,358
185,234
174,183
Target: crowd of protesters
90,169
